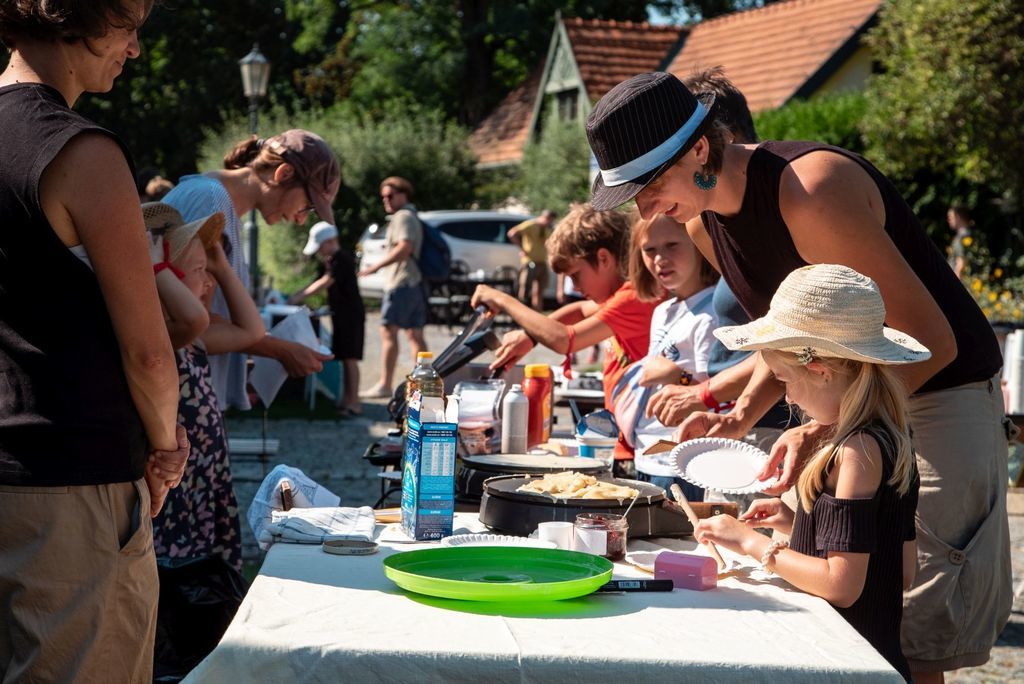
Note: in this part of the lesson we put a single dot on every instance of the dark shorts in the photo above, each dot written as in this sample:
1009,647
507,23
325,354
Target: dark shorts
540,275
349,331
404,307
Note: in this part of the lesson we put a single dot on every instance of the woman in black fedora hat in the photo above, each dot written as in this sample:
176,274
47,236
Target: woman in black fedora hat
765,210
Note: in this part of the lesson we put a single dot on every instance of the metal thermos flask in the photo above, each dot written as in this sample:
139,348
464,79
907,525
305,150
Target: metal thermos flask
515,417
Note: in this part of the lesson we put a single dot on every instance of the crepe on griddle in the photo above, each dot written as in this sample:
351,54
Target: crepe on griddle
573,485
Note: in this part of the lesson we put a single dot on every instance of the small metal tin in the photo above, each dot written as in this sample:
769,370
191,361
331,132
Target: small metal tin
349,547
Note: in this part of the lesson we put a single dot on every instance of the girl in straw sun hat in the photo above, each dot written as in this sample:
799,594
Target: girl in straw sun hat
852,534
200,517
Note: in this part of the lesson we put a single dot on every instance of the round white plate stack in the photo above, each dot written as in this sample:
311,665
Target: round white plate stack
722,465
496,540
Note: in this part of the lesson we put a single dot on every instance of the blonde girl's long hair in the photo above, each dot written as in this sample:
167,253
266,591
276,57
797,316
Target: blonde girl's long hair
875,394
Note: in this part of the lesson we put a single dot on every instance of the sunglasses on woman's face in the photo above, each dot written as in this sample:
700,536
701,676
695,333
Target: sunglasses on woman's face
310,207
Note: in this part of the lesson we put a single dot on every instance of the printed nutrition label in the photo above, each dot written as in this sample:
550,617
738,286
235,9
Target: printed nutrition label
437,463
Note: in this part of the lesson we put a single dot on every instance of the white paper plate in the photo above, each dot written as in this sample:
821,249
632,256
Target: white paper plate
723,465
496,540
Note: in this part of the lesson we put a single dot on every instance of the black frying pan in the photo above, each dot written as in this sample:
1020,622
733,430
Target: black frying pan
504,508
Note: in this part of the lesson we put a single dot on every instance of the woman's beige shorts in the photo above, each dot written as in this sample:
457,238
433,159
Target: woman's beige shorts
962,594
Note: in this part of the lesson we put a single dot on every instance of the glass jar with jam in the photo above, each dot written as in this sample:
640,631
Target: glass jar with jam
602,534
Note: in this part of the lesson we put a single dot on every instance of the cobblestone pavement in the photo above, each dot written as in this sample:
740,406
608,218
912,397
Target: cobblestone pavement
330,451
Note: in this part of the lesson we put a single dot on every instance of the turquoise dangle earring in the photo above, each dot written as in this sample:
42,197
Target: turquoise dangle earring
705,182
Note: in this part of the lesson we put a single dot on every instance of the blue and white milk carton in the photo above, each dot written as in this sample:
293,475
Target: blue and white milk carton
428,477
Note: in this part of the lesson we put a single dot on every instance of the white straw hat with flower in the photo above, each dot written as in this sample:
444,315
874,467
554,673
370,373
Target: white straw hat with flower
826,310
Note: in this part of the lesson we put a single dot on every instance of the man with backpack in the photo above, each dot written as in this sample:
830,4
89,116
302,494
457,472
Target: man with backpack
404,306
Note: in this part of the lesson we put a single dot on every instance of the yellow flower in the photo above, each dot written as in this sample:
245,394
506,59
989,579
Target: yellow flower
976,285
998,272
987,311
992,296
1006,295
968,241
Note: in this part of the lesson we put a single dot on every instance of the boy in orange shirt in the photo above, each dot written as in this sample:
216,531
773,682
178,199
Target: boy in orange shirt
591,247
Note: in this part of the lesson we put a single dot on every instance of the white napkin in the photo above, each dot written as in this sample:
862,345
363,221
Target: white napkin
306,493
317,525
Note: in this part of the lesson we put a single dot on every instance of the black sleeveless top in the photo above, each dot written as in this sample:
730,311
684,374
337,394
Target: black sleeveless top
66,415
877,526
756,252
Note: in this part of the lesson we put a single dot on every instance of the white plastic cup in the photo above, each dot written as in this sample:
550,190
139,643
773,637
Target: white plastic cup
599,448
556,531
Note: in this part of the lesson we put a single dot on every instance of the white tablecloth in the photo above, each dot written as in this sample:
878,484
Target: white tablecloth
314,617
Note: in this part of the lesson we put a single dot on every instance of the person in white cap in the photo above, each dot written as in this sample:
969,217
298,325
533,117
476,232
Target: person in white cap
853,538
336,273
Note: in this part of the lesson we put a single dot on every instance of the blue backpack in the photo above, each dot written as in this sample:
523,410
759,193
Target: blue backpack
435,260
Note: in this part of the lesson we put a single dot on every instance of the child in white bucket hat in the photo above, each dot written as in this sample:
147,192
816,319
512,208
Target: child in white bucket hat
853,534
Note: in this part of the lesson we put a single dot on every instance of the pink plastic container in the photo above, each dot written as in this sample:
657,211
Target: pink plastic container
686,570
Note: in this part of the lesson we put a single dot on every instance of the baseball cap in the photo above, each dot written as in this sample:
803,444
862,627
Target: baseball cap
318,234
315,164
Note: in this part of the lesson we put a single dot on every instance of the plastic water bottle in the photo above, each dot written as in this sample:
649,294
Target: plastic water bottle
424,378
515,419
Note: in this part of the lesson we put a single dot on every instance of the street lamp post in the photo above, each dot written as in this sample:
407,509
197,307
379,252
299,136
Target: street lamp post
255,75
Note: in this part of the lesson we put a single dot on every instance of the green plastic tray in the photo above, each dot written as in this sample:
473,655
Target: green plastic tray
498,573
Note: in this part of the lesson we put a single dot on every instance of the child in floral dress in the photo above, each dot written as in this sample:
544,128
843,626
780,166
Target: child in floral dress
201,517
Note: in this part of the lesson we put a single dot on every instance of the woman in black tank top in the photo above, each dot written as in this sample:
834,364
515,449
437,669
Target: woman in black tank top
88,381
774,207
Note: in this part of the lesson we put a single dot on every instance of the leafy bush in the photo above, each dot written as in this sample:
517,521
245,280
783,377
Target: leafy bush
496,186
415,143
555,169
832,119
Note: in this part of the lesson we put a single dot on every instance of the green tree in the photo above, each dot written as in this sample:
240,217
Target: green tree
951,91
460,56
555,169
943,117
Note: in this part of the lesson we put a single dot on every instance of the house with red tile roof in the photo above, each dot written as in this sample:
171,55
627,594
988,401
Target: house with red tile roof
793,49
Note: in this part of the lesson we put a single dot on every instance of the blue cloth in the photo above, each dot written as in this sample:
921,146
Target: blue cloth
404,307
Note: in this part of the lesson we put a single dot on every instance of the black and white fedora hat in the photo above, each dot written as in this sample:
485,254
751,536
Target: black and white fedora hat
639,129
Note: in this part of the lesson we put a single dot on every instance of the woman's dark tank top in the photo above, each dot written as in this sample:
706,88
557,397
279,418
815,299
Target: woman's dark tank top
66,415
755,252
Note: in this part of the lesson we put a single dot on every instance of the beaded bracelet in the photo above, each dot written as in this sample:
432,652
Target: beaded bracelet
769,552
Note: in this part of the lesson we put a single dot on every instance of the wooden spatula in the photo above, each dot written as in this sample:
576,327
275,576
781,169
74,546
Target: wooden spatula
677,492
660,447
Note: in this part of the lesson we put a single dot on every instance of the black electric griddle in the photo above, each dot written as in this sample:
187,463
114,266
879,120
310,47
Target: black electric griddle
472,471
508,510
